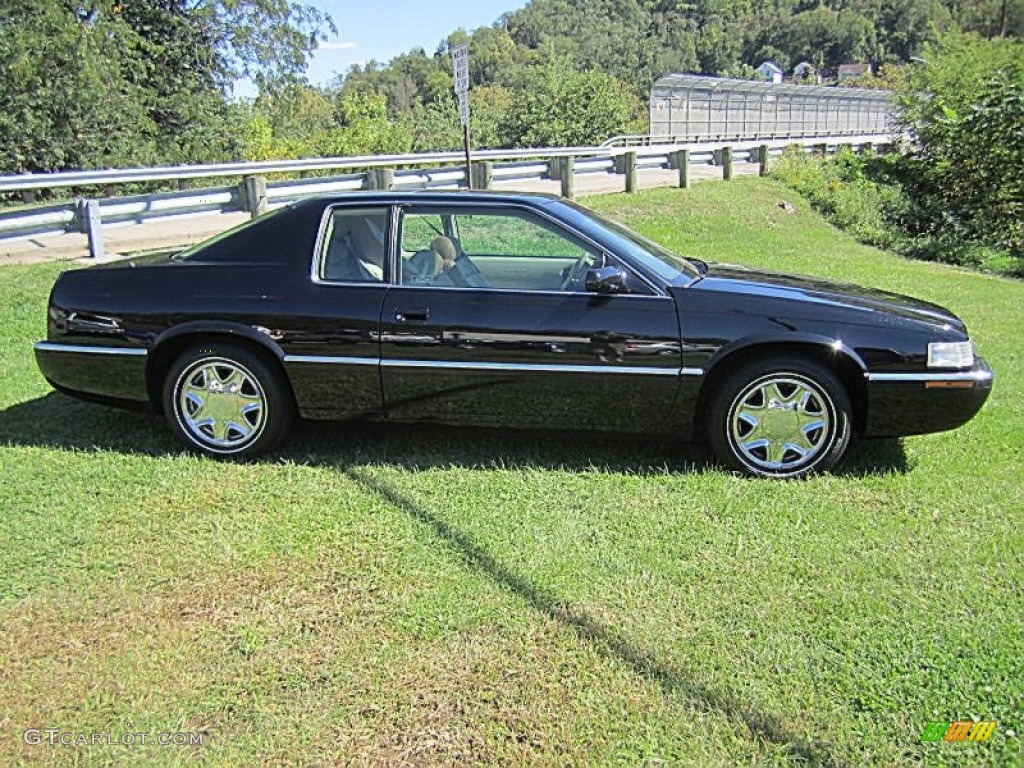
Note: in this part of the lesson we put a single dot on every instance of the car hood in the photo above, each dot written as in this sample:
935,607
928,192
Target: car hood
736,279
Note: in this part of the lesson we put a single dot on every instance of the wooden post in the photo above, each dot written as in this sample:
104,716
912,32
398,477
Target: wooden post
680,159
629,167
762,159
379,178
483,174
727,163
567,175
254,195
555,168
91,223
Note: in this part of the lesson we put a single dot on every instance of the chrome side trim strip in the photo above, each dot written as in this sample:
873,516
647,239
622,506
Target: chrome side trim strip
531,368
471,366
49,346
984,375
331,360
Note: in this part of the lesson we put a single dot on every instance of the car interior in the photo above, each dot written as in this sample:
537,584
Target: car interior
356,246
458,249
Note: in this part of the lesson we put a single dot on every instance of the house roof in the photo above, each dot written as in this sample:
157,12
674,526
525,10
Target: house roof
770,65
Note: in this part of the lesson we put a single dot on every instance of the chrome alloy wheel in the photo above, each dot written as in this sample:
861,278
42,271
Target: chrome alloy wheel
781,423
220,404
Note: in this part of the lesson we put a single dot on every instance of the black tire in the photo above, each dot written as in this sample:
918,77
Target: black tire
250,408
805,427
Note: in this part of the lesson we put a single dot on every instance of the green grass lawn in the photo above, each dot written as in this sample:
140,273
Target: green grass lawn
389,595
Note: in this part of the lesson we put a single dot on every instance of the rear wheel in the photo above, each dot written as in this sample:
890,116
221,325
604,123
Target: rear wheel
225,400
780,418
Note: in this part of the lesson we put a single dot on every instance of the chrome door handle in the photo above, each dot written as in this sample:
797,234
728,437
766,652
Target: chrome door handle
412,315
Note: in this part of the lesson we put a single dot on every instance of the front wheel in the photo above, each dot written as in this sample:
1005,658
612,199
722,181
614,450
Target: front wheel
778,418
226,401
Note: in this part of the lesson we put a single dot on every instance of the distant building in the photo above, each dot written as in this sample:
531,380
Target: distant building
804,72
850,71
770,72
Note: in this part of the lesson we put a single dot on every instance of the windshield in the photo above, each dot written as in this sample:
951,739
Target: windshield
662,262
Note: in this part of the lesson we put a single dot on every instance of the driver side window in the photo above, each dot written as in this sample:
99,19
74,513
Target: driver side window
491,249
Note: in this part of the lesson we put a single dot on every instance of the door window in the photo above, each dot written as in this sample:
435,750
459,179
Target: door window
491,249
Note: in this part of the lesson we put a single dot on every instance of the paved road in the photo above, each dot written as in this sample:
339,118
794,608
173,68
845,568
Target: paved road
184,231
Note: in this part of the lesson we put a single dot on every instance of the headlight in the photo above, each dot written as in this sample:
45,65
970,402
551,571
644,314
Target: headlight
951,354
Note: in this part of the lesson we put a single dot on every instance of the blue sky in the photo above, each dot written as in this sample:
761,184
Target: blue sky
381,29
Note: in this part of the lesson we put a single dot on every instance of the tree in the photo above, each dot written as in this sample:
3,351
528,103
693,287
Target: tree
92,83
965,107
70,96
560,106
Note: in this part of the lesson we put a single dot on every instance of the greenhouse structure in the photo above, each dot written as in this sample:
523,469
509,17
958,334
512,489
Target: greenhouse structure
686,108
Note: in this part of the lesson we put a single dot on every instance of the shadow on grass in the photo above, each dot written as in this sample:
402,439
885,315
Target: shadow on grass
57,421
603,637
60,422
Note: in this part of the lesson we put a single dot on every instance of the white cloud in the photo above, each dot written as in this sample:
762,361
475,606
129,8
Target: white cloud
337,45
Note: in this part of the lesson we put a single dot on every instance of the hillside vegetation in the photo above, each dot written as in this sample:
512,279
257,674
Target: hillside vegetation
107,83
451,597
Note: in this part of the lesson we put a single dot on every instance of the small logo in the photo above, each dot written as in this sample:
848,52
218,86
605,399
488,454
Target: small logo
959,730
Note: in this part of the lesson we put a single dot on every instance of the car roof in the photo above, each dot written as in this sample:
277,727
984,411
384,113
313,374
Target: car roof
434,196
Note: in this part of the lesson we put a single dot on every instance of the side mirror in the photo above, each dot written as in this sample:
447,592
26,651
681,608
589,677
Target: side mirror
605,280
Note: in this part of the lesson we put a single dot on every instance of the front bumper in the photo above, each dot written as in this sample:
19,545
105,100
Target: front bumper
915,403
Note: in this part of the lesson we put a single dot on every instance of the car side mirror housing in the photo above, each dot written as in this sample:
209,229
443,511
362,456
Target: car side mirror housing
605,280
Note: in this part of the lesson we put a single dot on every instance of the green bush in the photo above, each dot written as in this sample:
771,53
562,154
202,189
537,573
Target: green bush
866,196
841,189
964,106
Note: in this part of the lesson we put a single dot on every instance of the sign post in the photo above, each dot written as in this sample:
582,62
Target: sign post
460,64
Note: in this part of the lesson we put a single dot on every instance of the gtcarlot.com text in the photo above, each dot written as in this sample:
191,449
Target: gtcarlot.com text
56,737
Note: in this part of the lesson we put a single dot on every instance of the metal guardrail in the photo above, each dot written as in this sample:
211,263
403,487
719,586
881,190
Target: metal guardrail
647,140
437,170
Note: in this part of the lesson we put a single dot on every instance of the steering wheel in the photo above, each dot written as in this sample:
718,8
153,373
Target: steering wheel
576,278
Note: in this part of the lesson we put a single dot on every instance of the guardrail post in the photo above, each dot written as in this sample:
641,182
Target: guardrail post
727,163
483,174
821,149
254,195
762,160
567,171
184,183
28,196
680,160
629,168
91,223
555,168
379,178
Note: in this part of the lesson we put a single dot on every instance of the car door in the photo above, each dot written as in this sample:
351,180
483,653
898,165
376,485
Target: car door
487,322
332,347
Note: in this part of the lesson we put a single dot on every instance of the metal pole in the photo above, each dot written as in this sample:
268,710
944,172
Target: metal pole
469,158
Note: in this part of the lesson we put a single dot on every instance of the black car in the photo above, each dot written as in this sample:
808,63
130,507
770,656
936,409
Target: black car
506,310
